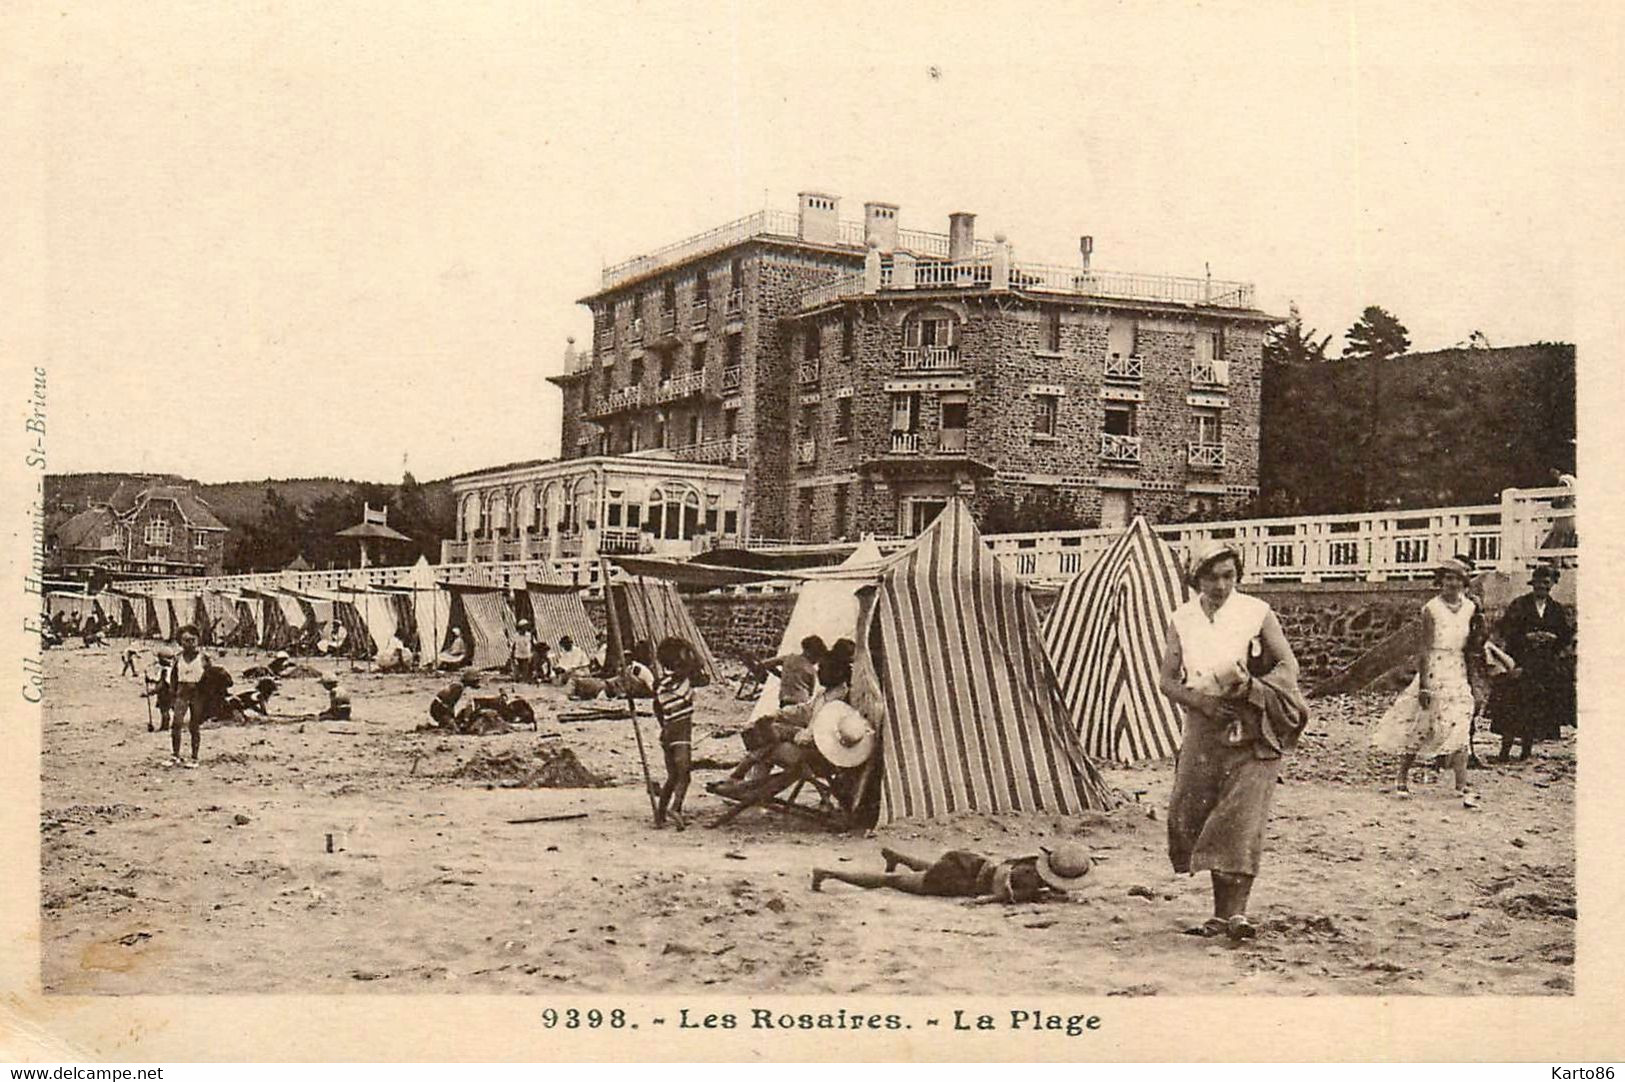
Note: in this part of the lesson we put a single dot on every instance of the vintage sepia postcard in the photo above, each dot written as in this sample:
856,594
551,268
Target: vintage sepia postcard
841,532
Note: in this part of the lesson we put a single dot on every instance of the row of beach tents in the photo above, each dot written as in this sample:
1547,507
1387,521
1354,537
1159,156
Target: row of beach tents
981,707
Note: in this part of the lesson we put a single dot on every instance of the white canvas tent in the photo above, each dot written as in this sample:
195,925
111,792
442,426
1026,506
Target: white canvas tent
827,606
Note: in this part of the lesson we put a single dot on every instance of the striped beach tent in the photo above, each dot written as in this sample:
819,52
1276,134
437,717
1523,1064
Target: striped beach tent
952,672
1105,638
164,616
486,617
430,605
652,610
217,617
556,610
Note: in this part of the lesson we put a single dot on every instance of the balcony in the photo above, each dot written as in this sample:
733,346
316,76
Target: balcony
717,451
951,441
622,398
1123,450
807,452
1128,369
1206,456
668,322
1210,374
808,372
930,358
620,539
733,378
905,443
684,386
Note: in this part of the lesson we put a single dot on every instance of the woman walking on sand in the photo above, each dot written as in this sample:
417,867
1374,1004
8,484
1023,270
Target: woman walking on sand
1228,664
1433,716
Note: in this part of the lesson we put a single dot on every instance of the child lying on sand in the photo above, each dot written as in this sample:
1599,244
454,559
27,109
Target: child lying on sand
963,874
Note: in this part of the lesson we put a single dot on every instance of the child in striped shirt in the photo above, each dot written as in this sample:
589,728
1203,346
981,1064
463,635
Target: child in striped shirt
674,708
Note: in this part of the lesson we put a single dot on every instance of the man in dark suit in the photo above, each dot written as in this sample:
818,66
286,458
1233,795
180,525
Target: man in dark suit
1537,699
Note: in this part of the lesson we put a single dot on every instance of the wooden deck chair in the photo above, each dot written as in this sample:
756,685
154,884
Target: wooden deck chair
780,791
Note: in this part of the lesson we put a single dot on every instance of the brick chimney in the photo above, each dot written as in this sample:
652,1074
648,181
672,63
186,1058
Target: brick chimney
961,235
819,221
880,226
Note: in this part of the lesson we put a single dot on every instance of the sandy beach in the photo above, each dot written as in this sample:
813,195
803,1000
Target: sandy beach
162,880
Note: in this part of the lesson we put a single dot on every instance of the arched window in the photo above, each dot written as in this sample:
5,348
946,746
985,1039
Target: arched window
497,503
583,512
524,504
655,518
471,516
931,327
691,514
547,508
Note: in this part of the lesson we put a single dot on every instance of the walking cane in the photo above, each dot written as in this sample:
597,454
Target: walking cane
631,702
146,697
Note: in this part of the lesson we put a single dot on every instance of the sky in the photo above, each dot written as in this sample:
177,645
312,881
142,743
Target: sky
283,240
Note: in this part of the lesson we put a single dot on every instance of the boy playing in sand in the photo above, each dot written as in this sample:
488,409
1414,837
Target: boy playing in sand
443,707
962,874
674,709
338,700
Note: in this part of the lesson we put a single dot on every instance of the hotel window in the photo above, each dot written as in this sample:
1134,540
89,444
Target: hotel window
634,438
1207,428
660,431
840,510
1045,409
694,429
809,421
1122,338
846,334
1052,330
730,522
843,419
158,533
730,422
955,419
812,344
698,364
905,412
1121,420
635,376
734,351
668,297
929,331
702,288
666,361
736,274
806,514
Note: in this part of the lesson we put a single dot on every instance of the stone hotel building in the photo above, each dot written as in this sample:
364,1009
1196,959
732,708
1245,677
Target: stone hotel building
800,377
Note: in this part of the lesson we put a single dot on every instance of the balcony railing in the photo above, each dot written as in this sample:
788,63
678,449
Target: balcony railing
689,383
1122,449
733,378
808,372
1124,368
1210,373
622,398
620,539
634,332
717,451
980,273
930,358
905,443
951,441
668,321
736,302
807,452
1206,456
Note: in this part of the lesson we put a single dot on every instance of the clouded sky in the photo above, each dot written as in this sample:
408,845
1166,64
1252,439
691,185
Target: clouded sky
293,241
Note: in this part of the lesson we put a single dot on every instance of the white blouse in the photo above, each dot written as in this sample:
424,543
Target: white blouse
1212,647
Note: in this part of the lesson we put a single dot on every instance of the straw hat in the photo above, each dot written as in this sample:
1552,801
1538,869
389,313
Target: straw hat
842,735
1457,565
523,622
1063,865
1208,552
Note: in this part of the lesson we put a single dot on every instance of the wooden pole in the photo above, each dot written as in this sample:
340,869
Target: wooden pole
618,649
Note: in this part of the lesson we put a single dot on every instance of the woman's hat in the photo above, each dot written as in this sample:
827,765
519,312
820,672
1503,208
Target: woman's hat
1457,565
1544,573
523,622
842,735
470,678
1064,865
1208,552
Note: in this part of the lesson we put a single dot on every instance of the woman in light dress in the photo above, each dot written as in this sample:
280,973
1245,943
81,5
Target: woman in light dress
1433,716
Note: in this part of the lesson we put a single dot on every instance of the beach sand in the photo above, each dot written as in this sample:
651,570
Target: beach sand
169,881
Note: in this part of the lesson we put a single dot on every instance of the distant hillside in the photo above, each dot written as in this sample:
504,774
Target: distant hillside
242,504
1454,426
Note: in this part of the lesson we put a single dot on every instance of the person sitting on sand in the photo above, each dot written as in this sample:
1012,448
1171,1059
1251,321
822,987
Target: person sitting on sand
571,661
543,665
338,700
636,679
393,656
443,707
91,632
256,699
1054,870
455,655
334,641
674,710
